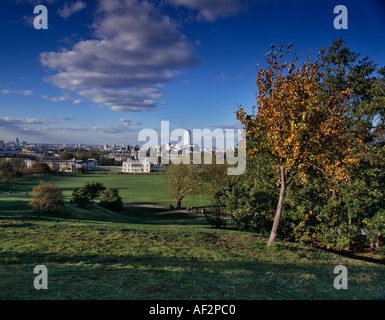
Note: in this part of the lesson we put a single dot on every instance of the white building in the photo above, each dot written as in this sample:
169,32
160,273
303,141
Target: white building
65,165
136,166
118,156
89,165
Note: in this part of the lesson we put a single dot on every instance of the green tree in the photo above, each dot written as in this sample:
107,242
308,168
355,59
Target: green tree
40,168
313,215
111,200
18,167
66,155
181,181
299,129
81,197
345,69
7,173
84,155
94,189
251,197
211,179
47,198
337,220
87,194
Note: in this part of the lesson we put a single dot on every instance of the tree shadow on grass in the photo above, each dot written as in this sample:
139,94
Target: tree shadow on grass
158,277
18,208
137,215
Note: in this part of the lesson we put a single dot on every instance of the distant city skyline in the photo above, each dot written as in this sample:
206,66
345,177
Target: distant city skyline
104,70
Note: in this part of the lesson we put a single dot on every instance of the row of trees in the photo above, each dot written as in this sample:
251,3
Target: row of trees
48,198
85,155
109,197
11,170
79,155
316,151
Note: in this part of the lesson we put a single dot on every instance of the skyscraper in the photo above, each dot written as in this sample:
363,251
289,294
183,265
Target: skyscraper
1,144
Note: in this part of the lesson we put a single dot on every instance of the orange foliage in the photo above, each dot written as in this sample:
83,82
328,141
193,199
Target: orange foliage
294,124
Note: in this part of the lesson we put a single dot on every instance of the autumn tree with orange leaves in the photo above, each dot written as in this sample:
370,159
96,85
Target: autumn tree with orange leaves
302,131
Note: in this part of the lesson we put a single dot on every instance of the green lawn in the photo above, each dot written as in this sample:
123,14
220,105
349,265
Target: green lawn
132,188
146,253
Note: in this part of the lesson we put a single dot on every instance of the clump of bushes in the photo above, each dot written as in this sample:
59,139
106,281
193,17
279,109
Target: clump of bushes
111,200
48,198
109,197
85,196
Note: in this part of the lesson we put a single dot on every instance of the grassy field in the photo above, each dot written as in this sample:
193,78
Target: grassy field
147,253
132,188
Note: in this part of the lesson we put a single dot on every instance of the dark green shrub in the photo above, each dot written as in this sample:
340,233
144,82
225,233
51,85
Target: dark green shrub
111,200
81,197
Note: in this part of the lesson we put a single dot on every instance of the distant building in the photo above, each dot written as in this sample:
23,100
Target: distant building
1,144
123,147
136,166
89,164
65,165
118,156
108,168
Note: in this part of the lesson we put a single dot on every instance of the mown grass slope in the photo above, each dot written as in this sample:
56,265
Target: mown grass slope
145,253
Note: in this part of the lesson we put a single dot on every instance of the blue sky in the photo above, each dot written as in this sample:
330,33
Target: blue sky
105,69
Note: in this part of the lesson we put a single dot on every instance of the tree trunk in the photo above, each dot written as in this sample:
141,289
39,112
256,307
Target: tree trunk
277,217
179,204
378,239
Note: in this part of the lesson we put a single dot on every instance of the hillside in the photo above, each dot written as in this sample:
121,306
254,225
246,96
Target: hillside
146,253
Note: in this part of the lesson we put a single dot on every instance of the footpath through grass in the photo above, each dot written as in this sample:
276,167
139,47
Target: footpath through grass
146,253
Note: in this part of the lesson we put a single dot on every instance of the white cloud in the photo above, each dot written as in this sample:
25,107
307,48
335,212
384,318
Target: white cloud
130,122
28,20
63,118
228,126
34,2
63,98
15,121
41,128
223,76
129,99
124,126
22,92
211,10
77,101
69,9
56,128
135,50
21,125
